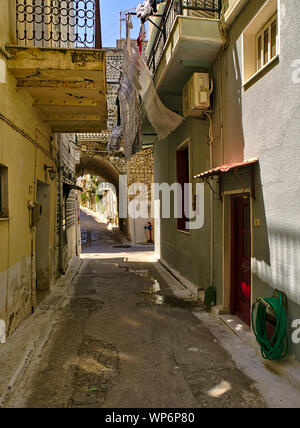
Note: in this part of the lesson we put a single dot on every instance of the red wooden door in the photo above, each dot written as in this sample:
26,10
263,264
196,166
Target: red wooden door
241,257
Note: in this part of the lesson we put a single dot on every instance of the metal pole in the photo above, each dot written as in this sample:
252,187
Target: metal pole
98,37
220,7
180,7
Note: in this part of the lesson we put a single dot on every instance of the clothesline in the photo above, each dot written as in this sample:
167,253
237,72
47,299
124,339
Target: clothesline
136,84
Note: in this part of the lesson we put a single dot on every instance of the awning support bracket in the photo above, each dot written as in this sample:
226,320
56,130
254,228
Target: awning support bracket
219,194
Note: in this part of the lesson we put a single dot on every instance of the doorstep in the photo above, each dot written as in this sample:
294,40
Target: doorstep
239,327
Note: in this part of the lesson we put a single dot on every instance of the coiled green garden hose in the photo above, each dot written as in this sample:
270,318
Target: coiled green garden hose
276,347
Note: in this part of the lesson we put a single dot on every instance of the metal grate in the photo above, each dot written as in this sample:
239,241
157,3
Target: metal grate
58,23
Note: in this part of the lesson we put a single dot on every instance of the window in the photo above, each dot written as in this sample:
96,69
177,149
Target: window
261,43
3,192
183,177
266,43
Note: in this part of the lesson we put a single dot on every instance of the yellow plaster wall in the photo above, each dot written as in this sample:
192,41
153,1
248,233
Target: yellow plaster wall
25,142
7,22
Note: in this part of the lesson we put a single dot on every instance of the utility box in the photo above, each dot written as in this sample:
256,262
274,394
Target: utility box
196,95
36,213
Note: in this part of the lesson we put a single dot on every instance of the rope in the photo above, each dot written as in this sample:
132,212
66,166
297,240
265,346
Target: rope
277,347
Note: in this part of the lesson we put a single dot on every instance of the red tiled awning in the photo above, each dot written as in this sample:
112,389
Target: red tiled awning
223,169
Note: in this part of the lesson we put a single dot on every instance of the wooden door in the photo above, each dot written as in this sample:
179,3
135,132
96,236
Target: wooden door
241,257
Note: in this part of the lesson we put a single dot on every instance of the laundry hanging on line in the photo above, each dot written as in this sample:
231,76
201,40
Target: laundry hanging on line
128,127
141,38
137,82
163,120
147,9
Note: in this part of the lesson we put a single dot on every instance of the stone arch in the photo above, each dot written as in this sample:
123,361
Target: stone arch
99,166
108,171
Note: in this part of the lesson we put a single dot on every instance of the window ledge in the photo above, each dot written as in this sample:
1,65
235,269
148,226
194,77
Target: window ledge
261,71
5,218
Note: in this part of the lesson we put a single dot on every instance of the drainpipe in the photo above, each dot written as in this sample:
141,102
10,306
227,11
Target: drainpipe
33,240
212,240
221,112
212,237
61,208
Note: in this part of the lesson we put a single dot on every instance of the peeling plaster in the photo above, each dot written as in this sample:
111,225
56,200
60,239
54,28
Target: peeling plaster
18,290
82,58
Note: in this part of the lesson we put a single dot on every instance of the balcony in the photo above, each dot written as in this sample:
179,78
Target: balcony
58,59
184,39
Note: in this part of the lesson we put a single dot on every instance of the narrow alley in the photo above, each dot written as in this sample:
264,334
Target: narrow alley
149,219
124,340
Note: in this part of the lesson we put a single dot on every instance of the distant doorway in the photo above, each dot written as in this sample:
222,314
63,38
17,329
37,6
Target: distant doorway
241,257
42,243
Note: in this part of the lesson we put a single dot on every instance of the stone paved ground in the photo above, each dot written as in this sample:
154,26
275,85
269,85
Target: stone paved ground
123,340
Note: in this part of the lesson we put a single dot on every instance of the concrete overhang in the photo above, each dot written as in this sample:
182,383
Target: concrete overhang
233,10
68,86
192,45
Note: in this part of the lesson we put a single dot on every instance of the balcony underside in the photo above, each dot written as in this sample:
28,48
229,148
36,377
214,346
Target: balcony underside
68,86
193,45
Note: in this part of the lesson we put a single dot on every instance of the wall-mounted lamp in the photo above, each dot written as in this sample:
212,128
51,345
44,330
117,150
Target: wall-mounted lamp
52,172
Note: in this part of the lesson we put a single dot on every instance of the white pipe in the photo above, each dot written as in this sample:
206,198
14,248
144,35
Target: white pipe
221,112
211,140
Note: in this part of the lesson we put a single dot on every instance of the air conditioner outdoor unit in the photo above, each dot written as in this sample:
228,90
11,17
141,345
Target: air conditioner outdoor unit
196,95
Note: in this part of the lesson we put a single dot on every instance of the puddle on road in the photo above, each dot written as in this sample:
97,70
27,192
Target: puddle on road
155,296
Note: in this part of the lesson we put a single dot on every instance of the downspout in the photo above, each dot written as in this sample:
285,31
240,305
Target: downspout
212,231
221,111
224,35
61,209
33,241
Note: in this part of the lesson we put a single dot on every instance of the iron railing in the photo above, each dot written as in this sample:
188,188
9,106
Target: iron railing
59,23
198,8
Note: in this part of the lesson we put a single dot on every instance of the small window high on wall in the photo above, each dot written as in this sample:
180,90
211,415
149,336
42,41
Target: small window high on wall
183,177
266,43
261,42
3,192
